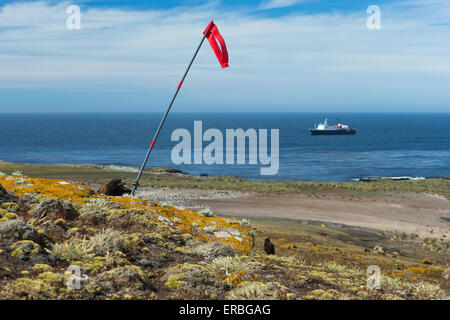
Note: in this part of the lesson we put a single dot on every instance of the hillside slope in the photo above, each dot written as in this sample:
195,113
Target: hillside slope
130,248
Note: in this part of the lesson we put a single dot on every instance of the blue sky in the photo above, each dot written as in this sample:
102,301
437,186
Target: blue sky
285,55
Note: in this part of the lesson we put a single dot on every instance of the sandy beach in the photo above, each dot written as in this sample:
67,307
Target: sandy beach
422,214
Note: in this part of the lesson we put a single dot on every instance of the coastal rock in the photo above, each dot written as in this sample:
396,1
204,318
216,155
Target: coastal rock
129,280
167,170
95,218
5,196
3,190
55,209
25,249
194,279
16,230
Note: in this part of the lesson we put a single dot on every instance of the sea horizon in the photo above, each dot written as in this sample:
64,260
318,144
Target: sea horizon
386,144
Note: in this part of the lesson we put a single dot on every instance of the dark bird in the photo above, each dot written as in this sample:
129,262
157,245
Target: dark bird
114,188
269,248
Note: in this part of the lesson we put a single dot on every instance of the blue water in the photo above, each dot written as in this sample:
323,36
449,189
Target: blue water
416,145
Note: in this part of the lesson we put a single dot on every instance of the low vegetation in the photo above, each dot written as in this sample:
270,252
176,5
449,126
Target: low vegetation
130,248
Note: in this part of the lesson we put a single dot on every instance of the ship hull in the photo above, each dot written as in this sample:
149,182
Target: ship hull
315,132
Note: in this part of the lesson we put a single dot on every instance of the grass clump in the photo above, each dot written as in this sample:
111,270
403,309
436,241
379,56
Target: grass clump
41,267
106,240
211,250
229,265
207,212
73,250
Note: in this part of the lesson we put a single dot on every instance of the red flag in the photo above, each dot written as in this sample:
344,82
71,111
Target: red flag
217,44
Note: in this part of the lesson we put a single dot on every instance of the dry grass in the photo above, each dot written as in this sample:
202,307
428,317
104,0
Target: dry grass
229,265
74,250
211,250
107,240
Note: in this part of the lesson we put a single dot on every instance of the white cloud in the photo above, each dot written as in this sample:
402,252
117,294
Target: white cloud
293,63
272,4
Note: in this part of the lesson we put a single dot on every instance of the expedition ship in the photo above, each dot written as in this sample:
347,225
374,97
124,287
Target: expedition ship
325,129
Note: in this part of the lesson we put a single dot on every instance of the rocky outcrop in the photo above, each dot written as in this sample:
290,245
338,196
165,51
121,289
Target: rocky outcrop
55,209
15,230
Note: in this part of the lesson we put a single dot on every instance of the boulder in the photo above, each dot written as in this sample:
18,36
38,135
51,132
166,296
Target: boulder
15,230
128,280
55,209
5,196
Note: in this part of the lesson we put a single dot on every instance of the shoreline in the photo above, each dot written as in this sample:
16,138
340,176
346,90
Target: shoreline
172,178
420,207
169,170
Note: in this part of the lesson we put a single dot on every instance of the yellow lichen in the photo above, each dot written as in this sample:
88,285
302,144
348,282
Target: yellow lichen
229,231
286,246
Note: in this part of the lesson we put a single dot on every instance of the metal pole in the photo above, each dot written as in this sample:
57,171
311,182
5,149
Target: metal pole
135,184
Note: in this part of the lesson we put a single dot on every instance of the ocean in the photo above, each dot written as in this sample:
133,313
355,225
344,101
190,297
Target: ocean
385,145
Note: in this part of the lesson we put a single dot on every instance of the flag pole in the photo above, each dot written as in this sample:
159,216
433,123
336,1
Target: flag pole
135,184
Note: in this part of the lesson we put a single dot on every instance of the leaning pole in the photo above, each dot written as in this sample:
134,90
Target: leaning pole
211,32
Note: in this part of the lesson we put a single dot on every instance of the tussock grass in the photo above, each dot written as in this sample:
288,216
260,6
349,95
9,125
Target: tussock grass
74,250
108,240
422,289
229,265
207,212
93,205
211,250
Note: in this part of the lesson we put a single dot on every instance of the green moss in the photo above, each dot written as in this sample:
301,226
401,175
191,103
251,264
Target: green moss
174,281
17,252
98,264
29,289
18,247
51,278
17,243
60,222
7,216
10,206
41,267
